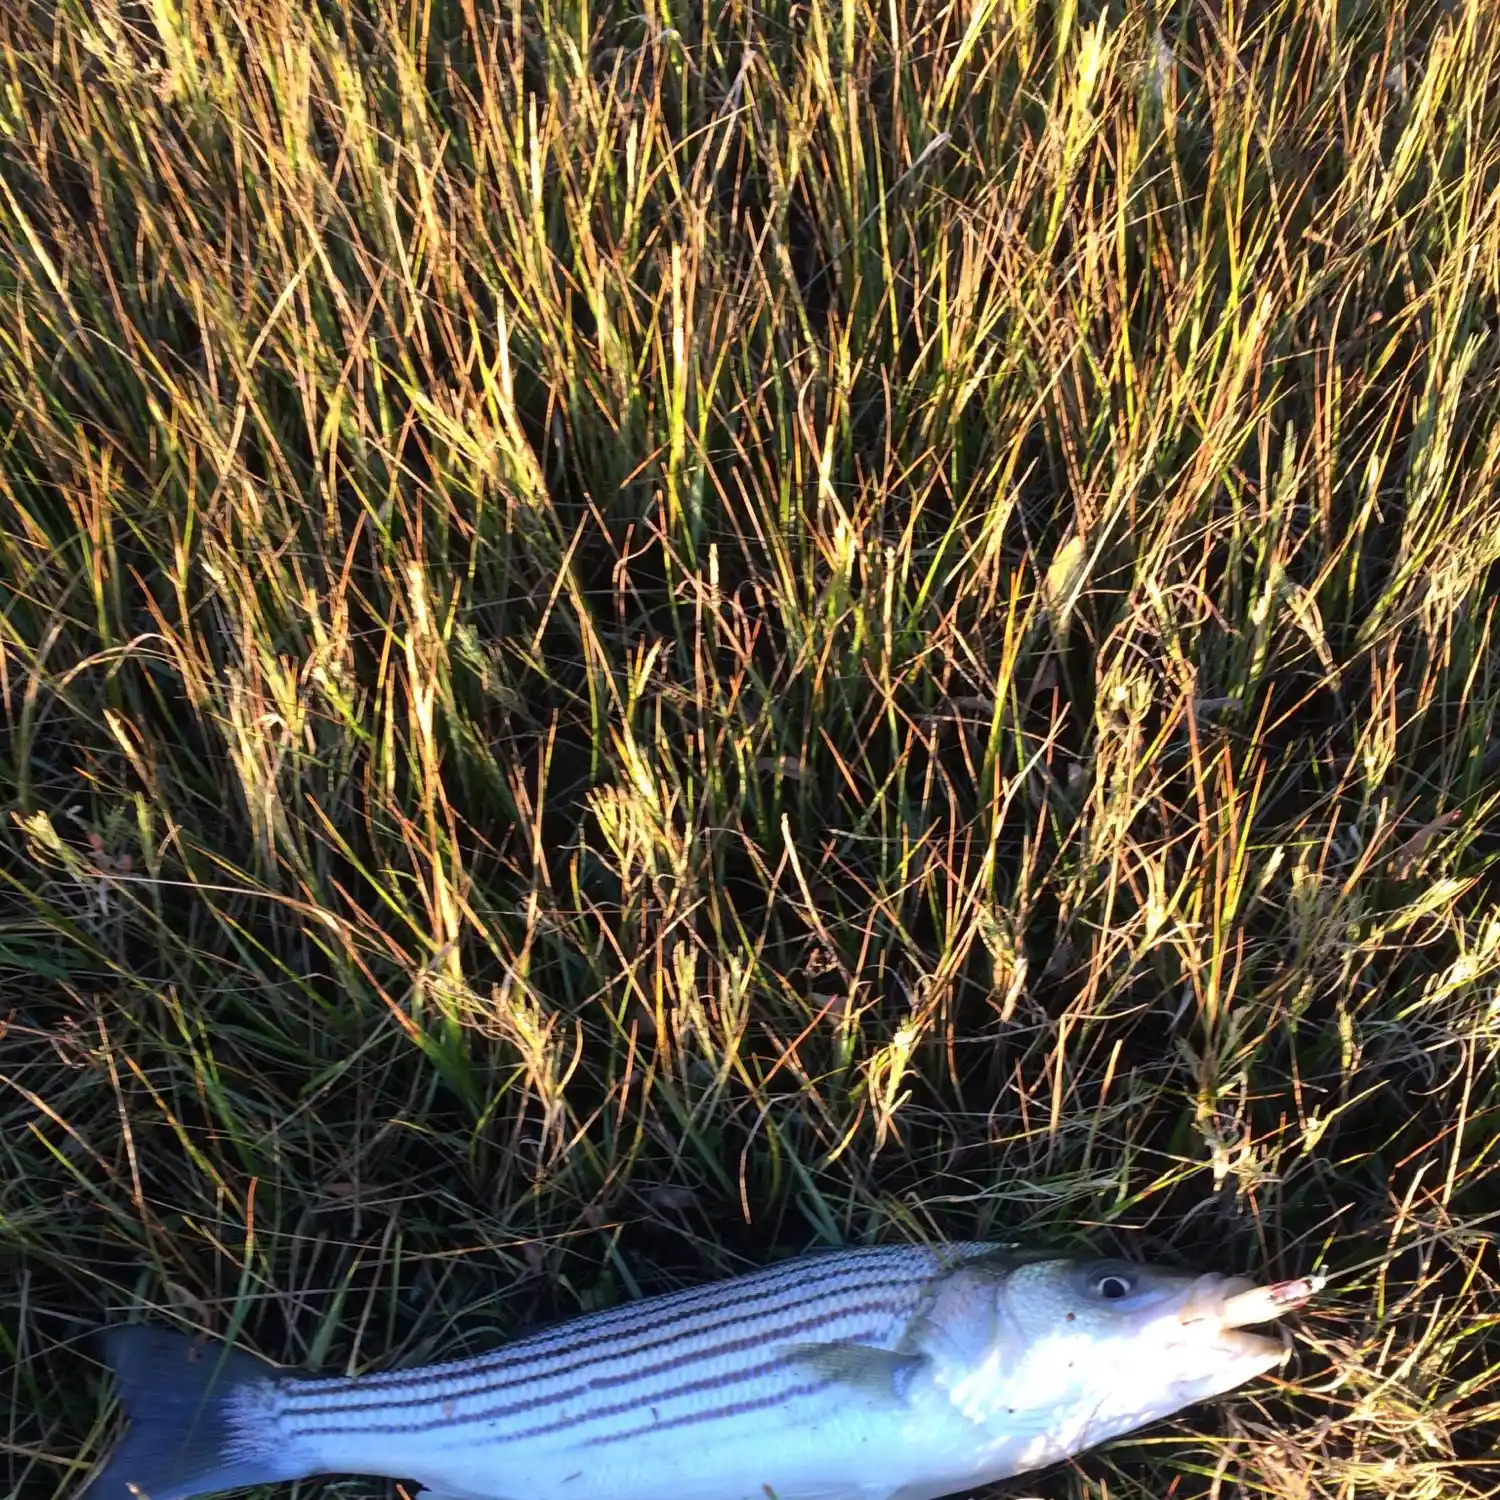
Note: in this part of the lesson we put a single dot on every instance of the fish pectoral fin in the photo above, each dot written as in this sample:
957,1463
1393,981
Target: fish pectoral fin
875,1372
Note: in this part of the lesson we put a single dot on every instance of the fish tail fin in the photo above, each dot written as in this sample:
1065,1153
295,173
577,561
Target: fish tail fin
202,1419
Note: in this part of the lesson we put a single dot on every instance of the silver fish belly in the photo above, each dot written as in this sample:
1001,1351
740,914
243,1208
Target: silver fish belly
897,1373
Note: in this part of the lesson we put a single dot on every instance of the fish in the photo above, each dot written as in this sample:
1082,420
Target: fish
899,1372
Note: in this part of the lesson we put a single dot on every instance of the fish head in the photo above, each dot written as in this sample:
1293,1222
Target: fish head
1075,1352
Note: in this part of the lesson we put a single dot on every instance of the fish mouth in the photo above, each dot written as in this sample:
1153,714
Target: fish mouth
1264,1304
1253,1346
1231,1306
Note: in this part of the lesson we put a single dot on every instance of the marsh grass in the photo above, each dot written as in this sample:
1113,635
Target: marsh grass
638,639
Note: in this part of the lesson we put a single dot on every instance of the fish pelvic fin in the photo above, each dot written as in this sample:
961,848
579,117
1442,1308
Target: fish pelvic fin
203,1418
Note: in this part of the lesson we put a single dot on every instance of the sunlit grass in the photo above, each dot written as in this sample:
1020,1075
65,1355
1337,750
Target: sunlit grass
636,640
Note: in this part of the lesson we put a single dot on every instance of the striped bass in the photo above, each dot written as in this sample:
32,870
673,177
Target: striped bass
900,1373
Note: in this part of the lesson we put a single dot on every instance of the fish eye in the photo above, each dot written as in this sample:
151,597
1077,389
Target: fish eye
1112,1286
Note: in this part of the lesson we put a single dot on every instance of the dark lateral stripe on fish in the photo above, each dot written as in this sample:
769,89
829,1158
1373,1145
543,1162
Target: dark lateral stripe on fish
686,1419
736,1375
728,1334
650,1320
627,1320
519,1366
691,1419
748,1340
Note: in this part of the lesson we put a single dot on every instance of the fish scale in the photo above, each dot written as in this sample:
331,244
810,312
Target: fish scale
643,1342
660,1366
890,1373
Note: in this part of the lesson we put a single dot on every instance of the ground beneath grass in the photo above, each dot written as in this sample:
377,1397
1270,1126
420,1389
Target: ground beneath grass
639,639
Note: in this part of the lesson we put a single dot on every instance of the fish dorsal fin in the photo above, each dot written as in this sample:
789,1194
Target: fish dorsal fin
881,1373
